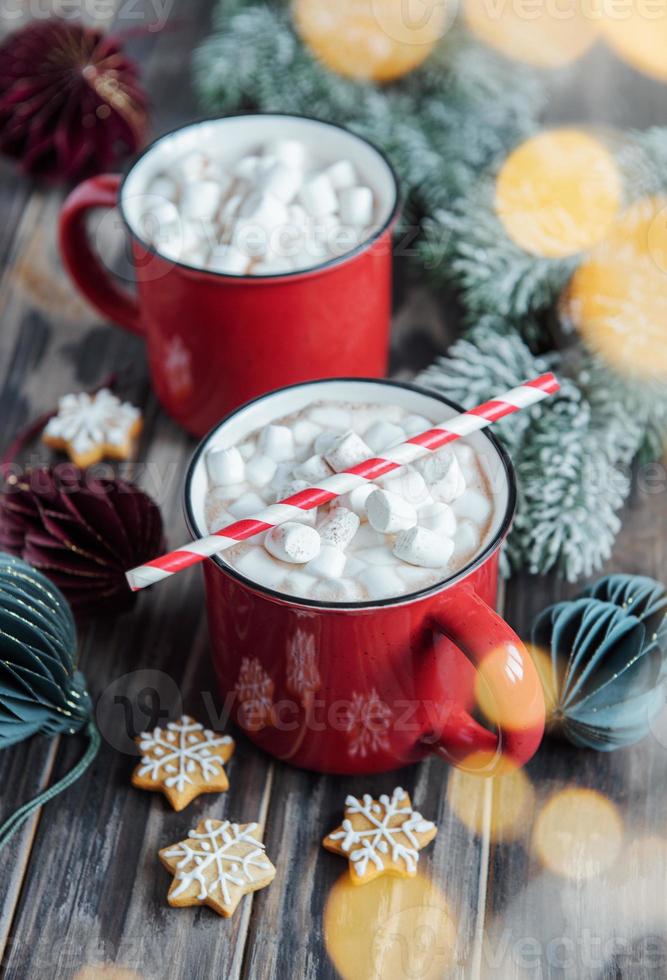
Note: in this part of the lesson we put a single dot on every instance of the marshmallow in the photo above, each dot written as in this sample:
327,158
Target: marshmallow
263,210
277,442
305,432
195,166
318,196
293,153
389,513
409,484
230,208
282,181
467,460
228,260
342,174
164,186
354,566
330,563
419,546
331,417
288,489
415,424
348,450
293,542
246,505
247,168
300,583
338,590
438,517
315,468
248,449
325,440
260,470
381,583
234,490
356,499
366,537
356,206
272,265
466,539
201,199
257,565
382,555
415,577
383,435
473,505
339,528
225,466
443,474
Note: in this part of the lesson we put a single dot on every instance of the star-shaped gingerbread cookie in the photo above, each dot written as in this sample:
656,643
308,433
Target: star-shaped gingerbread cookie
381,836
183,760
217,864
90,428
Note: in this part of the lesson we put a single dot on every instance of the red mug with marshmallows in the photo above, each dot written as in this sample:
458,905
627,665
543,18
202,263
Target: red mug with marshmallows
367,687
216,340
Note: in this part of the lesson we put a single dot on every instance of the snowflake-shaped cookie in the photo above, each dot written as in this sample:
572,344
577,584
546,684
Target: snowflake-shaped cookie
381,836
183,760
217,865
90,428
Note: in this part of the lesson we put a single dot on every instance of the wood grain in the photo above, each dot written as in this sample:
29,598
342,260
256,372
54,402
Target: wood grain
82,892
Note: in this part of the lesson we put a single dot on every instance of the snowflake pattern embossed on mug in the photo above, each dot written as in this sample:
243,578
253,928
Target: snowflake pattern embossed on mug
254,691
381,836
183,760
367,719
217,864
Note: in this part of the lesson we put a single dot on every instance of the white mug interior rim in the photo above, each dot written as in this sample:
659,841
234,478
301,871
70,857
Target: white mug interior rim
284,401
249,130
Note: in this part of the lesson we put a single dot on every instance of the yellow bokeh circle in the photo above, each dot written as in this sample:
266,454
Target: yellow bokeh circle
390,929
637,31
381,40
542,35
558,193
617,298
578,834
508,813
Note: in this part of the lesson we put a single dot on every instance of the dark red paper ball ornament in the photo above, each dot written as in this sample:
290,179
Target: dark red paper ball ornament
83,532
70,100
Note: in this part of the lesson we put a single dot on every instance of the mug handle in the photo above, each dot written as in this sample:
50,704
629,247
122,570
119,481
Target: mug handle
85,268
506,668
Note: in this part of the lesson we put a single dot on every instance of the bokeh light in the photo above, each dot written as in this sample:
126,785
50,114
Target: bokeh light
372,39
578,833
617,298
514,706
558,193
638,39
545,36
389,929
512,803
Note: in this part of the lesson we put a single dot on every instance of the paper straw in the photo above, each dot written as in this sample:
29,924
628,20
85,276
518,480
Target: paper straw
523,396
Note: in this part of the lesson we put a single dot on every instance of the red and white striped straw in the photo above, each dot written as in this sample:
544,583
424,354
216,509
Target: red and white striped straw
334,486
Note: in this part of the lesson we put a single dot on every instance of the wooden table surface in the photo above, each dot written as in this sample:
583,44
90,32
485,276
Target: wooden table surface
82,893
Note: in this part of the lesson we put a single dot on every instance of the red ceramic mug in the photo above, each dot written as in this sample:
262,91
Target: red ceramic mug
367,687
215,341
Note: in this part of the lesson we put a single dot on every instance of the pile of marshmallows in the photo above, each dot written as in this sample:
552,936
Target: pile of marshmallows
273,211
426,509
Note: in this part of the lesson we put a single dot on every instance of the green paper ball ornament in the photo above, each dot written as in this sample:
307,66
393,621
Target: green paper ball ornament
606,664
41,692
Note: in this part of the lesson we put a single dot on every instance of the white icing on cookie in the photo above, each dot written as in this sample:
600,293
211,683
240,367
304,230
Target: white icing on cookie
181,749
388,820
89,422
218,857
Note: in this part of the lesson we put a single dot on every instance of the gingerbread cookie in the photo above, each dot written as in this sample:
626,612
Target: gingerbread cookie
183,760
90,428
381,836
217,865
